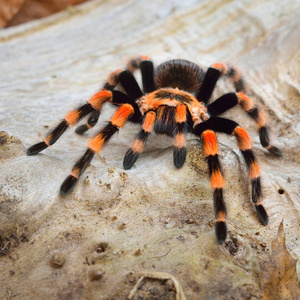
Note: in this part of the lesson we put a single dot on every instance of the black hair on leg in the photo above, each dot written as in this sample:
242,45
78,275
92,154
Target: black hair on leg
209,82
130,85
147,71
222,104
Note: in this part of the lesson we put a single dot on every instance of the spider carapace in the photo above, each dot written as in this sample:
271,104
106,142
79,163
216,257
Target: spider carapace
174,101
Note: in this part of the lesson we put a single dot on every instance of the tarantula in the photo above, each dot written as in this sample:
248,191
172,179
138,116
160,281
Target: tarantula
174,102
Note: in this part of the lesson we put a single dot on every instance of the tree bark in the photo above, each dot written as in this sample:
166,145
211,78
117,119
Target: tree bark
119,226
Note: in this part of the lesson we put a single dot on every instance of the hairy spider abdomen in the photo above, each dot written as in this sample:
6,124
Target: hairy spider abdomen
179,73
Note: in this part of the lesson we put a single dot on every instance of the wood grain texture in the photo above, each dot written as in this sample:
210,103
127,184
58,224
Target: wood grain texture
152,217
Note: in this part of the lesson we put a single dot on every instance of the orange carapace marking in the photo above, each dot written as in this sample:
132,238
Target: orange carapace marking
153,101
243,139
210,143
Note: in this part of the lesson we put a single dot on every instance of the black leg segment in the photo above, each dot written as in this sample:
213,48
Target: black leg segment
130,85
121,98
209,82
222,104
147,71
92,121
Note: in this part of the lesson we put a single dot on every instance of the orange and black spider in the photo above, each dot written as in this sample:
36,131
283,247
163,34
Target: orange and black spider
174,101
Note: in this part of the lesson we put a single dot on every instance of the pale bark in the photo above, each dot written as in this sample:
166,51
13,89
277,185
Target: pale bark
152,218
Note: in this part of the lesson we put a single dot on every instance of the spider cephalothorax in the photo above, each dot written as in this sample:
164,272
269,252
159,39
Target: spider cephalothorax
174,101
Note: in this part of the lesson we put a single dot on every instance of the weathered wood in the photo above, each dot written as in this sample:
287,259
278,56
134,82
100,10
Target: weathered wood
117,224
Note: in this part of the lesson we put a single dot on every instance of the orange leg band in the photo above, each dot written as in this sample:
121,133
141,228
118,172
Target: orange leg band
210,143
243,139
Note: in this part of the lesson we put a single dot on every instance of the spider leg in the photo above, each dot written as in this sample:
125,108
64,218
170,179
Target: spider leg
216,182
95,145
129,84
245,146
211,77
228,101
145,64
234,74
243,140
222,104
94,103
258,116
110,84
208,85
137,147
118,98
179,152
91,122
209,82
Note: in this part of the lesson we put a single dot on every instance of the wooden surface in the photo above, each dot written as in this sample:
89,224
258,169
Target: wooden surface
16,12
152,218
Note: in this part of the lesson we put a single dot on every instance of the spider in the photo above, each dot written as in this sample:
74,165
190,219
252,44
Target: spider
174,101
